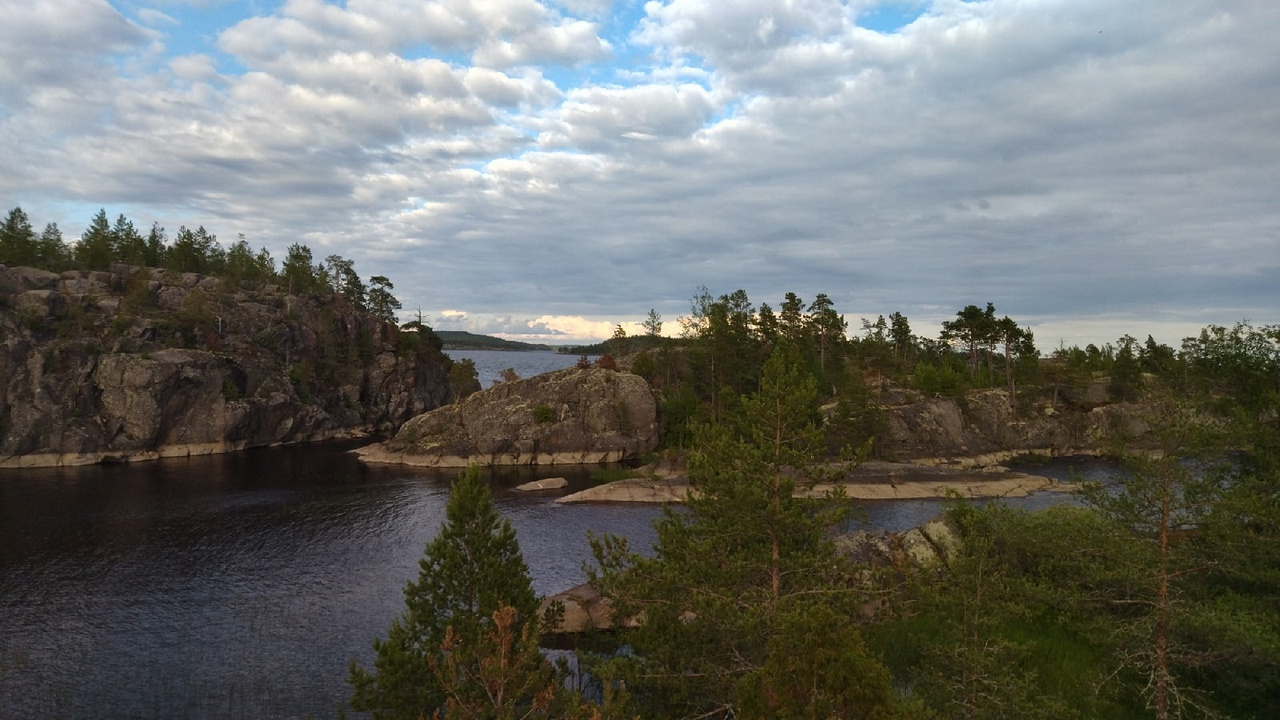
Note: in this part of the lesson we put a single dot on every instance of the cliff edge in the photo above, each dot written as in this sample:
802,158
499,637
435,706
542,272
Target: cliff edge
138,363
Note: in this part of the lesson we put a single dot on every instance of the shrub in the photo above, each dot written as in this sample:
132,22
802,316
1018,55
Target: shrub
544,413
934,380
644,366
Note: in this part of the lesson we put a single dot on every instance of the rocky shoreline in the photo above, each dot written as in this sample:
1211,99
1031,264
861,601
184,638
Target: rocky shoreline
874,480
177,450
575,416
136,364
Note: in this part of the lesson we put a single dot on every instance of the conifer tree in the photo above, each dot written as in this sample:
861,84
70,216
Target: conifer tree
297,271
1162,503
95,251
380,301
738,581
128,245
471,570
17,239
51,252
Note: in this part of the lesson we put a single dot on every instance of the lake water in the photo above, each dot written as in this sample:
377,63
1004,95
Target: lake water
491,363
241,586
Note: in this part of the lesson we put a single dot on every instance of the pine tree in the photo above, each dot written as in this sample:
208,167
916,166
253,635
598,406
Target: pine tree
297,271
469,571
381,302
17,240
96,251
1162,502
745,575
51,252
128,245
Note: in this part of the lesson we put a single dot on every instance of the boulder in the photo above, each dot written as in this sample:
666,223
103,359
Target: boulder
571,416
15,280
584,610
930,544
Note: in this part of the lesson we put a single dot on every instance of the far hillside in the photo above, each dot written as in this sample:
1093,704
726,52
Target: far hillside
462,340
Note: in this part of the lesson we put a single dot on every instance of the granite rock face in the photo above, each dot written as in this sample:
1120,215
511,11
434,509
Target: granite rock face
572,416
140,363
983,428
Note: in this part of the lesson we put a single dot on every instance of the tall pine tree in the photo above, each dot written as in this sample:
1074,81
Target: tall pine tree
746,575
470,571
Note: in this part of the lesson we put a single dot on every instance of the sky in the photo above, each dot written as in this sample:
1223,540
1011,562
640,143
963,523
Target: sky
547,169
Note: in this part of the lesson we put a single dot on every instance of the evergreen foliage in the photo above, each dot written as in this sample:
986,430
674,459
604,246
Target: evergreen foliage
96,248
744,575
470,571
380,300
18,244
198,251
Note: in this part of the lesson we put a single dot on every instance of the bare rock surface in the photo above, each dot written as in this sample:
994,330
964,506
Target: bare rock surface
141,363
571,416
982,428
873,480
543,484
585,610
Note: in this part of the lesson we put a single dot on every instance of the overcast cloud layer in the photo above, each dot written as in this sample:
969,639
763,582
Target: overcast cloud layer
1092,167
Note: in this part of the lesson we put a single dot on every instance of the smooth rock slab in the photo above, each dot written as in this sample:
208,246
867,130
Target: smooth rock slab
544,484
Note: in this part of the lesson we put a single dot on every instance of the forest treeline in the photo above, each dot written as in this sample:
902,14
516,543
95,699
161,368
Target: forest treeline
725,341
104,243
1157,595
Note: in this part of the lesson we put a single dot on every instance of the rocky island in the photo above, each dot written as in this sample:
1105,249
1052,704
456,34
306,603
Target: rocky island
572,416
137,363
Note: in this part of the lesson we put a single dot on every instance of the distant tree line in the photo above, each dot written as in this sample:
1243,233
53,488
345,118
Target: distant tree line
105,243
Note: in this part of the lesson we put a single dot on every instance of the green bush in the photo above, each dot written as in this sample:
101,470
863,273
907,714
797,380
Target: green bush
933,380
544,414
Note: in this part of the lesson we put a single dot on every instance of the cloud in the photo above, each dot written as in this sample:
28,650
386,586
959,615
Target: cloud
59,45
1091,159
596,118
497,33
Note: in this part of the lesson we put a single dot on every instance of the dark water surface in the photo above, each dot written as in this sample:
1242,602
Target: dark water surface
490,363
240,586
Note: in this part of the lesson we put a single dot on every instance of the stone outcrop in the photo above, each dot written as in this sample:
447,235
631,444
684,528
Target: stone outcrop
585,610
544,484
142,363
981,428
873,480
572,416
930,544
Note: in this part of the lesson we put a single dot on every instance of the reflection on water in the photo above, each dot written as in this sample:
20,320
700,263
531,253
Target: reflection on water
240,586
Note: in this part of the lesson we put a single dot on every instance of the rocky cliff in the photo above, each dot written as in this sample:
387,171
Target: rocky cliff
573,416
983,427
139,363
